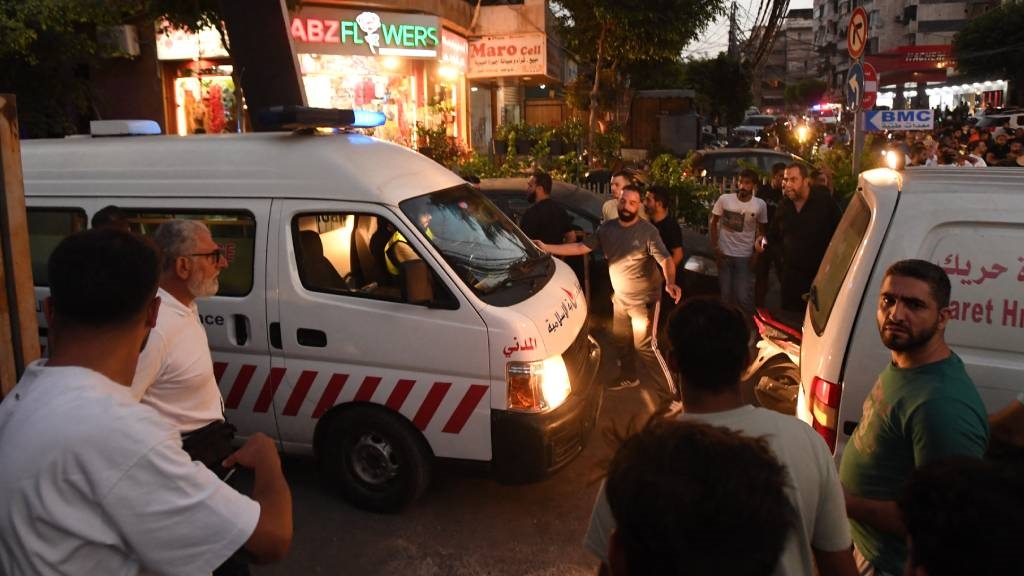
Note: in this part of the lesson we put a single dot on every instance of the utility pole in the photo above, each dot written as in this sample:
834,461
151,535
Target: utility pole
733,33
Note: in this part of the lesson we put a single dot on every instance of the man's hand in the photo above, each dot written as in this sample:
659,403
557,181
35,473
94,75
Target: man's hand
674,291
541,245
258,450
759,244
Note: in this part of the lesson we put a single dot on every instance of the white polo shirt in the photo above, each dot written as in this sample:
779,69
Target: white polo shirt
92,482
175,371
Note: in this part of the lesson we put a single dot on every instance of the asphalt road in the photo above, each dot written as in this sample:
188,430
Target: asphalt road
466,523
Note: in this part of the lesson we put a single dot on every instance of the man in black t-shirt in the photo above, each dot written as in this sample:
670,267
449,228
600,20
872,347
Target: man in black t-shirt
801,230
657,202
545,220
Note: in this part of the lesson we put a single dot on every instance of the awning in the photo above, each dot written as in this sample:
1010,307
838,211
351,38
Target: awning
927,63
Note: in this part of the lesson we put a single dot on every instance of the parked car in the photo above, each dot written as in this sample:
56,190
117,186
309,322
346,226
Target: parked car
728,162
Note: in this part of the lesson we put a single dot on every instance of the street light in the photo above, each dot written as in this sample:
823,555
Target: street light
802,132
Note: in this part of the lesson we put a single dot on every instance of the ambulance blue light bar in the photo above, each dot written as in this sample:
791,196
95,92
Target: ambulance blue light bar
298,117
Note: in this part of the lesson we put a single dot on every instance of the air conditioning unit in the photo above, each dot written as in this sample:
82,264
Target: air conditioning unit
122,40
900,19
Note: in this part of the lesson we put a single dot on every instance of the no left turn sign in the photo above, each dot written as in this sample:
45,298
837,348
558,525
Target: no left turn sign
857,33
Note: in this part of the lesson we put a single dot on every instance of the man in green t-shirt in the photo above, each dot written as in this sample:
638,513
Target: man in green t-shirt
922,407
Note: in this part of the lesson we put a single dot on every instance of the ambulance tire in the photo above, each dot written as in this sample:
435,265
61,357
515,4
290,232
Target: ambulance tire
379,461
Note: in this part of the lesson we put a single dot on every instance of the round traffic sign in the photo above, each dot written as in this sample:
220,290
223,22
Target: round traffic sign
855,86
857,33
870,87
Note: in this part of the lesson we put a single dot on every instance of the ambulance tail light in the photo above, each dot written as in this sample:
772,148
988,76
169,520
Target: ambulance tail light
537,386
825,409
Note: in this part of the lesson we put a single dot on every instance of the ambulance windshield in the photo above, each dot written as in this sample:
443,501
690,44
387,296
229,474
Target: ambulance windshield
493,257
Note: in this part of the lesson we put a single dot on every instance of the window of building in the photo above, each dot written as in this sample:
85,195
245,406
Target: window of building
234,232
46,228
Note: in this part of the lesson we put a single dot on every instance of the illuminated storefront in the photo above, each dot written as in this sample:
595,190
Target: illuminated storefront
404,65
407,66
200,91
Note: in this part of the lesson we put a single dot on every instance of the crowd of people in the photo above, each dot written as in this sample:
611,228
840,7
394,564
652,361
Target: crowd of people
139,466
727,488
668,507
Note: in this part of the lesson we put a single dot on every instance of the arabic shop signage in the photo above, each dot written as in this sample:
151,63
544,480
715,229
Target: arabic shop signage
365,33
454,50
512,55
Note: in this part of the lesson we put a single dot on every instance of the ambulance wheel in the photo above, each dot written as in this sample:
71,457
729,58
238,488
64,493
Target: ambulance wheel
379,462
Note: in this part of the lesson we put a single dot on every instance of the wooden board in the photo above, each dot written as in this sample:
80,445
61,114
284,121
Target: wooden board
19,336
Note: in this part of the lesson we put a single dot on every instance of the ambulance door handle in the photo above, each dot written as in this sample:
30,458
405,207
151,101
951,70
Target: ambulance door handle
241,329
275,335
311,338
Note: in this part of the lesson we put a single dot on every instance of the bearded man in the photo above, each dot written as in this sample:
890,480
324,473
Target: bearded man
637,264
922,408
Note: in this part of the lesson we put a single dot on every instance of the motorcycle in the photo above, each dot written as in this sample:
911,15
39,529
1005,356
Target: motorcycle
773,378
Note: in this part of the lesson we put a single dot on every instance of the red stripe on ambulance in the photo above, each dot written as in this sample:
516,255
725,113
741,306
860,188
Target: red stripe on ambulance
465,409
399,394
330,395
430,404
269,389
367,388
238,388
218,370
299,393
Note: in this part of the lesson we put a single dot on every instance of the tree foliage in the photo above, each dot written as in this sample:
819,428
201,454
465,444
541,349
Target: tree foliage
610,33
993,45
49,51
805,92
723,87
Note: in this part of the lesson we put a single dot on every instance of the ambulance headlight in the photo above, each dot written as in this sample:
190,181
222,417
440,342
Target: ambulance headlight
537,386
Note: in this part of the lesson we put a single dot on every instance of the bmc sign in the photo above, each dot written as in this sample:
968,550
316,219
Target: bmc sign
879,120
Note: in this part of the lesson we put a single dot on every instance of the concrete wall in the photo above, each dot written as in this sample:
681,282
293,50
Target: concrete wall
530,17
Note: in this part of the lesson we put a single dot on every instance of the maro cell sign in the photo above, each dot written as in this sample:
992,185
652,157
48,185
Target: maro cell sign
511,55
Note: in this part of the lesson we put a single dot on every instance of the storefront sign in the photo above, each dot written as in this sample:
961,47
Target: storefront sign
878,120
365,33
514,55
175,44
454,50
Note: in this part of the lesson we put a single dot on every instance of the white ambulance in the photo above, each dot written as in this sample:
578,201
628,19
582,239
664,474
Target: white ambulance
969,221
478,350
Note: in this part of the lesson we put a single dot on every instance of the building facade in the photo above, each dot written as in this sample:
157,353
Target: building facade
909,44
439,64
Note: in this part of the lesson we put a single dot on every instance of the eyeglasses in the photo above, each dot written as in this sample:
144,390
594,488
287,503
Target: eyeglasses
215,254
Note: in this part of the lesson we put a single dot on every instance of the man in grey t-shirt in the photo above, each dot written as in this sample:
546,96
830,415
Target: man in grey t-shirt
637,264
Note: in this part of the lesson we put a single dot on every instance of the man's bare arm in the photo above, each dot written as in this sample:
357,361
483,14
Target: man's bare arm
574,249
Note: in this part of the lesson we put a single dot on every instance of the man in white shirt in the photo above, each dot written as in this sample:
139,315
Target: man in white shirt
737,220
175,372
92,481
610,208
709,349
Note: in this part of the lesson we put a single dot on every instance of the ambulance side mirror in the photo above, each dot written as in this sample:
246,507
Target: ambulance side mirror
419,284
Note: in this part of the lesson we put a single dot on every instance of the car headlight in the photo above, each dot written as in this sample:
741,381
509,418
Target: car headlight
701,265
537,386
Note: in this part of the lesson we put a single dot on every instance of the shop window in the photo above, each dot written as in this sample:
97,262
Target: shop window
353,254
234,232
46,228
387,85
205,101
